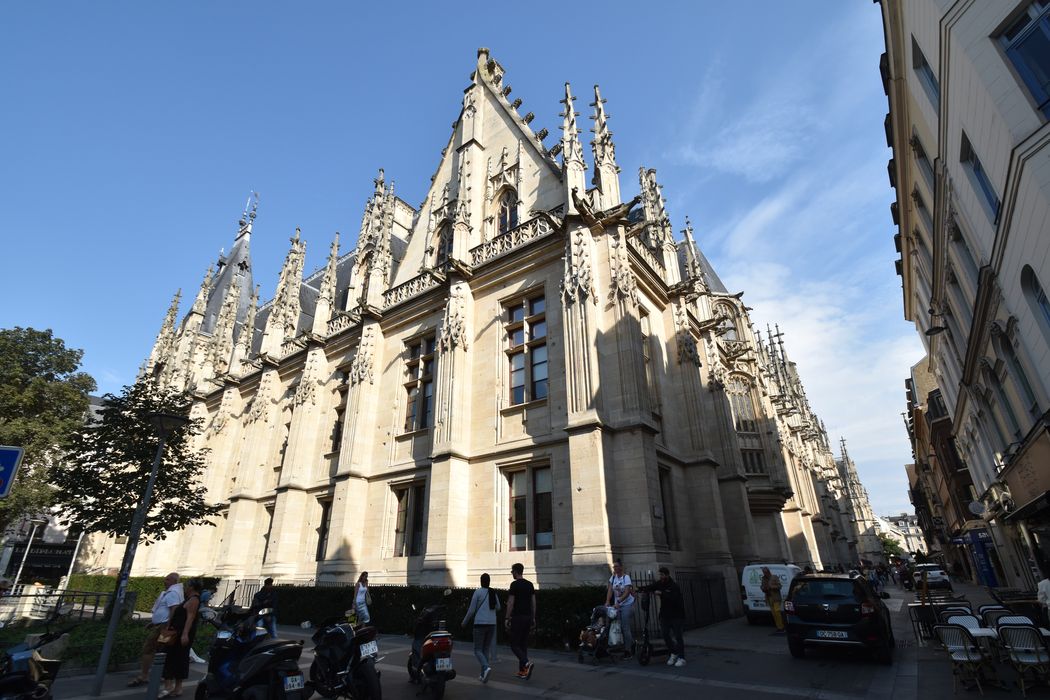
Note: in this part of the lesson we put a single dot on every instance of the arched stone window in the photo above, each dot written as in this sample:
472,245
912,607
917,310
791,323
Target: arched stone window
742,402
729,323
443,245
1004,348
1035,295
507,211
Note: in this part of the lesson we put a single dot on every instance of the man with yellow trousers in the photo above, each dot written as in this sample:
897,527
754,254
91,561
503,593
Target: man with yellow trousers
771,585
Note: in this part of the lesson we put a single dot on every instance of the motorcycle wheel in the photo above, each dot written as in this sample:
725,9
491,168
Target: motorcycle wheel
438,686
413,674
370,679
256,692
320,681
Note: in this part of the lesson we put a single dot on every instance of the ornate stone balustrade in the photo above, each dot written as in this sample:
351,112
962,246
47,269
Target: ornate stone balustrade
339,322
511,240
645,253
414,287
292,345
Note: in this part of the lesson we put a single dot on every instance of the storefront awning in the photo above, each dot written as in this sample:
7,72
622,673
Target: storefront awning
1037,506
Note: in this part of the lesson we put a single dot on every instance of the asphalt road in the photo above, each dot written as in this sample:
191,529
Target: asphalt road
710,674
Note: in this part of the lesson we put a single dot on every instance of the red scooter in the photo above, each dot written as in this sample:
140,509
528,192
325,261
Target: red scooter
430,661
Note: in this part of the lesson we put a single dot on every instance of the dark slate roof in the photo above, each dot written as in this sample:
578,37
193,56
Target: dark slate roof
237,263
714,282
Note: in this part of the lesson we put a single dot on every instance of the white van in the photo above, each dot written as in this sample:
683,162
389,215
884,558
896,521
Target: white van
751,588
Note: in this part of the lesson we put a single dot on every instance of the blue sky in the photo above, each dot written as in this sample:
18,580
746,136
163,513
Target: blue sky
134,131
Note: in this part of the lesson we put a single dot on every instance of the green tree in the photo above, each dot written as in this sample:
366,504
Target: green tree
109,463
43,401
890,546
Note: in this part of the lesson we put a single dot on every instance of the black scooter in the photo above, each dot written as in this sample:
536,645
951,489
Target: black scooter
345,659
646,649
245,663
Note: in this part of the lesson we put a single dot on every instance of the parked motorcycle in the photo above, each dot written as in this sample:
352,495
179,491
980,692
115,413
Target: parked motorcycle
245,663
44,642
430,661
345,659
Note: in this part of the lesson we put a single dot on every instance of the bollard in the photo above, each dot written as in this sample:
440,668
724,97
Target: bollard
155,672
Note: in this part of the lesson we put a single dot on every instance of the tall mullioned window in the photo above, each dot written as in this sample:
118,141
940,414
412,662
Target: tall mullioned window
508,211
444,245
1027,45
531,518
525,325
743,405
927,76
410,522
323,529
647,360
980,179
419,383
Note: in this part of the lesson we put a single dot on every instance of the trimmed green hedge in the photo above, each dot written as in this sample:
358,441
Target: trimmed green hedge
563,612
146,588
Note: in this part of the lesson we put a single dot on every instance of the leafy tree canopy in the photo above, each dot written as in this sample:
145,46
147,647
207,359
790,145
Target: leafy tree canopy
890,546
109,462
43,400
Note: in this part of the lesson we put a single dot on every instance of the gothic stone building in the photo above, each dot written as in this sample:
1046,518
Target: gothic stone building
525,367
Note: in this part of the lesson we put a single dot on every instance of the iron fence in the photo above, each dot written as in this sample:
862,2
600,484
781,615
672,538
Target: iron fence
36,603
704,597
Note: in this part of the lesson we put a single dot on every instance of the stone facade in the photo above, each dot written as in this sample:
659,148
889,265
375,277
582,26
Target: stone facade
971,166
525,367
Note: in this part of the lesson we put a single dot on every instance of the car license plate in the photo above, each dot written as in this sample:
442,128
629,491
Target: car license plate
369,648
444,664
294,682
831,634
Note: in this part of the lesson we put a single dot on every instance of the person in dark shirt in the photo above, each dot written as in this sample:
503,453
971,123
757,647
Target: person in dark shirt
672,615
266,597
521,617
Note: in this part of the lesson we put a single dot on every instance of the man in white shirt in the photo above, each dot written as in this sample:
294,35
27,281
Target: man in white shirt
163,609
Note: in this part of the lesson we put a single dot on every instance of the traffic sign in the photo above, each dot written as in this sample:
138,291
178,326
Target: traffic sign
10,458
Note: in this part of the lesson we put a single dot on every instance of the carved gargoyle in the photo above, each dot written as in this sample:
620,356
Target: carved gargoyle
596,218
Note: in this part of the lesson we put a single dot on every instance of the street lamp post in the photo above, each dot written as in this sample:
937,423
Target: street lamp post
164,423
37,522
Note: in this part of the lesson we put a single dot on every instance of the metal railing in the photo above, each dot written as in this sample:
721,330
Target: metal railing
704,597
35,603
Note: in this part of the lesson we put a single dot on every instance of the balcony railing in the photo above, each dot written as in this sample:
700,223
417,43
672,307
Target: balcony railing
515,238
419,284
645,253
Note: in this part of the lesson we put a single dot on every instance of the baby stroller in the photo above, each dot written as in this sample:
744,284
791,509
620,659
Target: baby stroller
594,638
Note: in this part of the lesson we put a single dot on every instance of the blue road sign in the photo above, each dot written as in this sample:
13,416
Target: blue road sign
10,458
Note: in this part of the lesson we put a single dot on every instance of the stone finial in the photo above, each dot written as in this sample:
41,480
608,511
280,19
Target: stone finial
572,151
602,146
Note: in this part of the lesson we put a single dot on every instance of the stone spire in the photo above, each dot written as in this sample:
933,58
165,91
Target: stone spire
200,303
572,154
606,172
221,350
694,271
165,342
326,296
372,259
283,320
